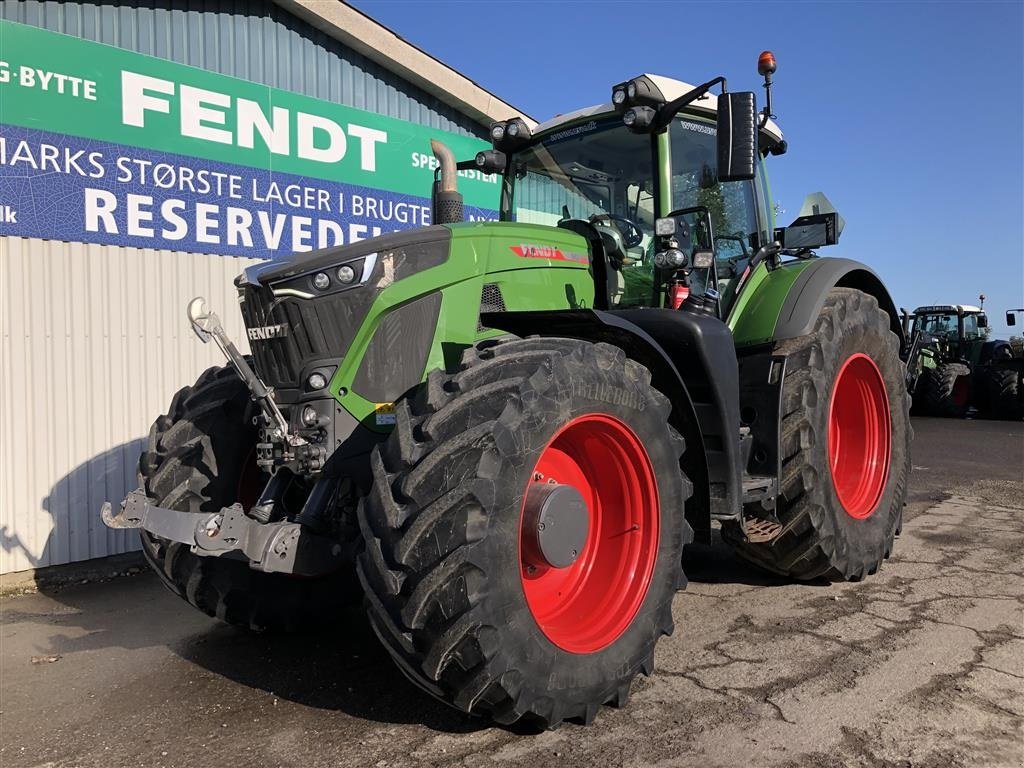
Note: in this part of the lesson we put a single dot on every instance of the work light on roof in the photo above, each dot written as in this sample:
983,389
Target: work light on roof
640,91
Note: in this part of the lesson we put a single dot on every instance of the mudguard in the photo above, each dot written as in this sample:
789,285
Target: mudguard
806,297
693,362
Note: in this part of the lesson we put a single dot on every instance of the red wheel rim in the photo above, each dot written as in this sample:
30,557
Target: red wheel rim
589,604
859,436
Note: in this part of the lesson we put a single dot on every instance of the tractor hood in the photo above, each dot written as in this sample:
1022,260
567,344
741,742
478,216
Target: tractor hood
428,247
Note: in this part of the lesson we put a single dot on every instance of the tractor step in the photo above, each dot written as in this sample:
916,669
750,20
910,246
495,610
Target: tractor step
759,530
760,489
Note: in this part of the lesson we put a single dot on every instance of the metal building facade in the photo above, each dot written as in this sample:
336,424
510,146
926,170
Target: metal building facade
94,337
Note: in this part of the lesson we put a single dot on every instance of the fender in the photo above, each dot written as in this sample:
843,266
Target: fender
692,362
799,310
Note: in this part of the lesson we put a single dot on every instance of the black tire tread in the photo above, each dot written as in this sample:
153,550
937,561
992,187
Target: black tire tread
806,550
1004,395
938,391
418,572
190,463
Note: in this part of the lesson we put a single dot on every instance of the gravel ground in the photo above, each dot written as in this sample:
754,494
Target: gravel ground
921,665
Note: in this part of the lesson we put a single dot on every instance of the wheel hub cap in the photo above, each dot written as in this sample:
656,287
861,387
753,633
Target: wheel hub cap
555,524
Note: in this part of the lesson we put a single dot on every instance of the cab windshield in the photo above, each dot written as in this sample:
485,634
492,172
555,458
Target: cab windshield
946,326
587,170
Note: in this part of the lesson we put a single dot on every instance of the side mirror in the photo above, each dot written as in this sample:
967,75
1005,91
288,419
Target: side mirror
1011,318
818,224
810,232
737,136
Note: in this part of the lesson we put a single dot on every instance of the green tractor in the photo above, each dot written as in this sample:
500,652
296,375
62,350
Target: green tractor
502,435
953,365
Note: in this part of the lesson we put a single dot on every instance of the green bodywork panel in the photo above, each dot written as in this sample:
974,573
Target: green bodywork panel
536,267
755,313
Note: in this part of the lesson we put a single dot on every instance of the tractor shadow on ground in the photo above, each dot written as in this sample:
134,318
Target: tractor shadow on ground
716,563
342,668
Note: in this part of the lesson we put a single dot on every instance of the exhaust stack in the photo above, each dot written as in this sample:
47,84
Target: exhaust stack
446,202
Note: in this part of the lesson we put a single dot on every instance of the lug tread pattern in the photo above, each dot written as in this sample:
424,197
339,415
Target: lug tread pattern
192,459
818,539
427,515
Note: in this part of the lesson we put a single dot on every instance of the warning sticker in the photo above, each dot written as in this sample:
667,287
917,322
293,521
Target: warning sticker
385,414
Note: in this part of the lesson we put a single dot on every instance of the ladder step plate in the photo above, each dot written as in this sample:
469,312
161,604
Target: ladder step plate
759,531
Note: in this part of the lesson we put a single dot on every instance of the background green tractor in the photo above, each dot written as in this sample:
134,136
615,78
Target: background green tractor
509,431
954,365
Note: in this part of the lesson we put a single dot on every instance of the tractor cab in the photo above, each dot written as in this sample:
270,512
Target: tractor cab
668,184
956,331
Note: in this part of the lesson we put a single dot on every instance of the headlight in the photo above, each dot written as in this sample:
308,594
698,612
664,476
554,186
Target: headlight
672,258
346,274
639,119
513,130
704,259
497,132
631,90
321,281
316,381
309,416
618,96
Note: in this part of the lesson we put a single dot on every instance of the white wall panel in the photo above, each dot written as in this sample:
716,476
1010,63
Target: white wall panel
94,344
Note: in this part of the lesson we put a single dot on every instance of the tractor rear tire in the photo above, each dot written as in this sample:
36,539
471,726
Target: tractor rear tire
1005,399
845,447
199,458
455,588
948,390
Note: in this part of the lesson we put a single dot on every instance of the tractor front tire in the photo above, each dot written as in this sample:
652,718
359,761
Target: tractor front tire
459,588
948,390
199,458
845,447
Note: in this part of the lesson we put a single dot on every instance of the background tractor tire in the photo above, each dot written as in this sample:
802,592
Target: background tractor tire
948,390
200,457
1005,399
451,589
919,403
839,518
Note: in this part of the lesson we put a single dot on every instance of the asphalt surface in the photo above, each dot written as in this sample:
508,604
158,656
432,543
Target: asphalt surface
919,666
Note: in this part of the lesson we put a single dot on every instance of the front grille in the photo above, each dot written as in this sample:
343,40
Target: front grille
316,330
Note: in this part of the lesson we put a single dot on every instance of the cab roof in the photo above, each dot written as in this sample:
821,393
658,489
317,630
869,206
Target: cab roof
671,89
948,309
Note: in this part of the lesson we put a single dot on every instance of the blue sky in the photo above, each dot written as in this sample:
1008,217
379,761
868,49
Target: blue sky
909,116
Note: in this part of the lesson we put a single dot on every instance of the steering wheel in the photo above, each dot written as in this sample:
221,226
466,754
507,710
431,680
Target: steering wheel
632,235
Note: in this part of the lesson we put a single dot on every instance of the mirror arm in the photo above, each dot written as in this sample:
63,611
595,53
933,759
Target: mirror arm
669,110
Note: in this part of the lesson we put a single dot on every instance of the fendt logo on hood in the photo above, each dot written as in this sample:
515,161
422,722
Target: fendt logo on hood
547,252
264,332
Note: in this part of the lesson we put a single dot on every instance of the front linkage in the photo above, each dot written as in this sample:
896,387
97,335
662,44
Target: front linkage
281,546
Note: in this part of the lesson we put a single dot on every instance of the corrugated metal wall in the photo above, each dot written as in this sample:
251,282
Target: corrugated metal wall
94,344
94,338
255,41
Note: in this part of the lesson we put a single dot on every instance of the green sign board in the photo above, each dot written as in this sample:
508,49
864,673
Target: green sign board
131,149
